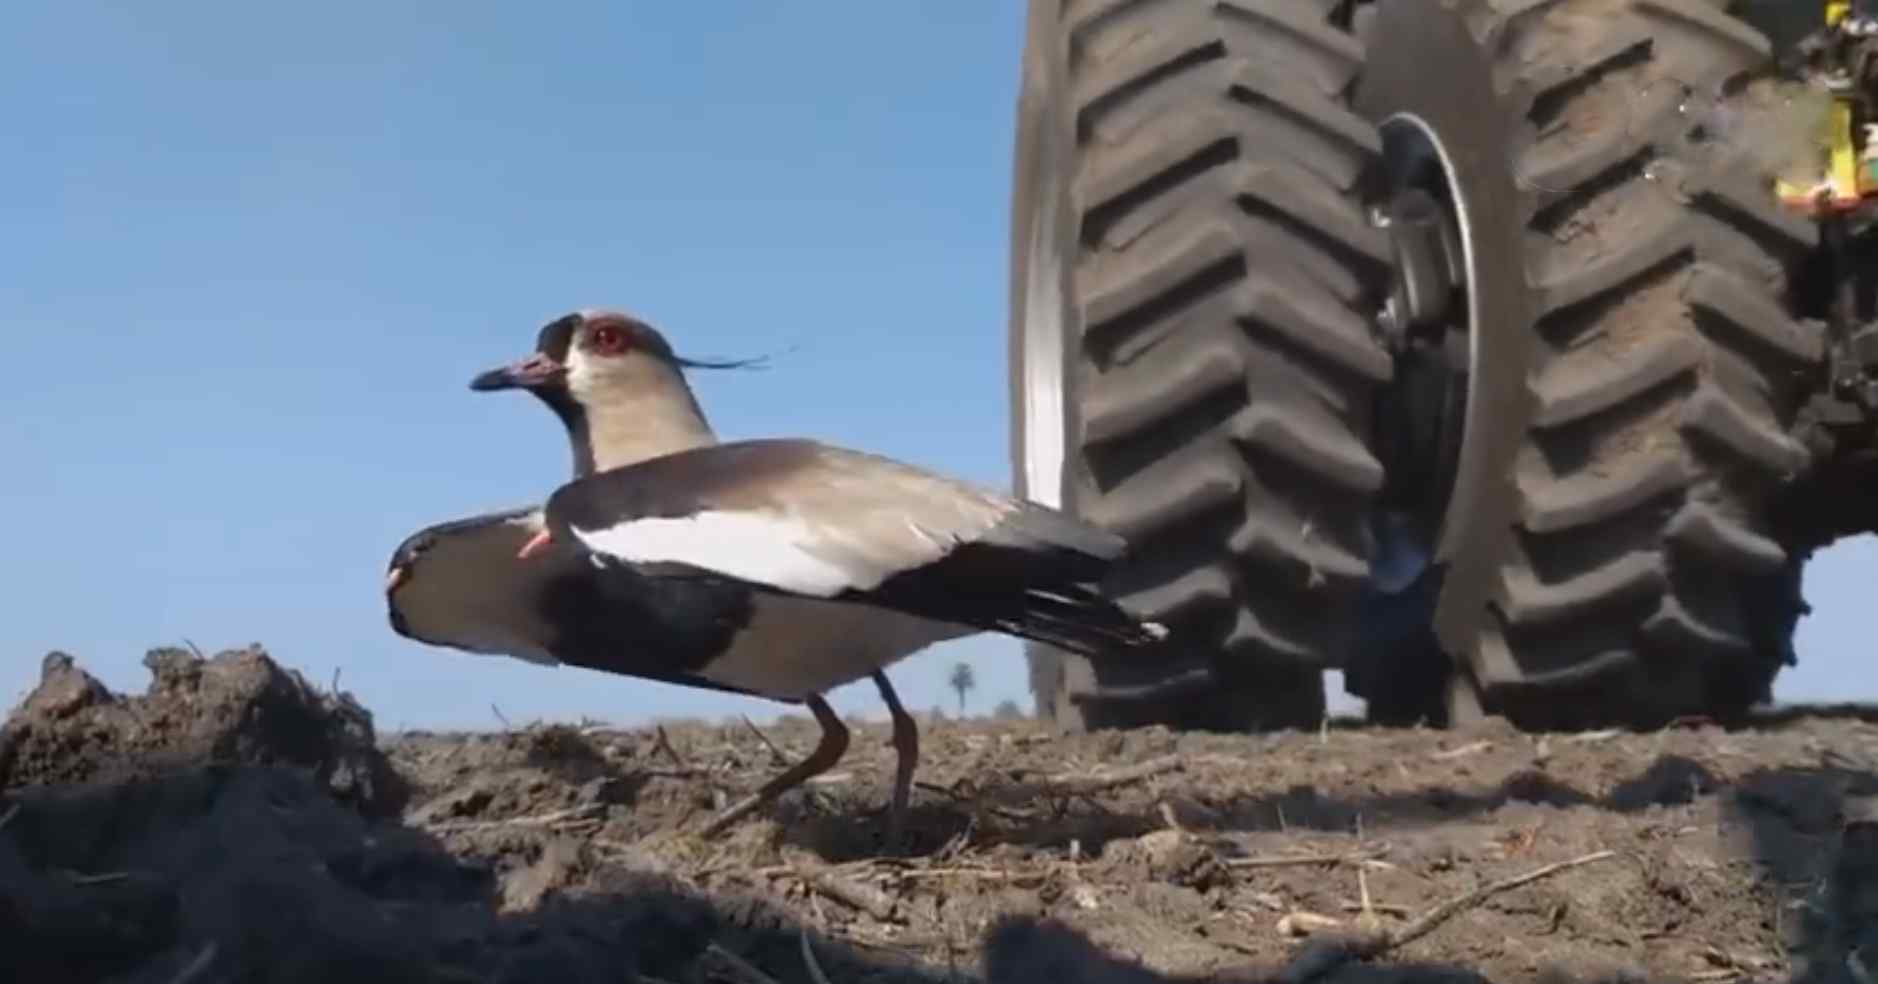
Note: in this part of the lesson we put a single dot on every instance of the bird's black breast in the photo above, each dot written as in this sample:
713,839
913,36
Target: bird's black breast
663,621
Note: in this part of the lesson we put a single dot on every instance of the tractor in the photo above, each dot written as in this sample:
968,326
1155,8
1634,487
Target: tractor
1510,357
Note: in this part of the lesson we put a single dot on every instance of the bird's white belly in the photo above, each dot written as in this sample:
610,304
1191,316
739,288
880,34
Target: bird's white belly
795,647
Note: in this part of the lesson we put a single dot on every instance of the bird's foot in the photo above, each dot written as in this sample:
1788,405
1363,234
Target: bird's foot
827,752
906,757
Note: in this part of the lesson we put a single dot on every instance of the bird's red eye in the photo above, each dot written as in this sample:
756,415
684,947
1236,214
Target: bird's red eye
608,339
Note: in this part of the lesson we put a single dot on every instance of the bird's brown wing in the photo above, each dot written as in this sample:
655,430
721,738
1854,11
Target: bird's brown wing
804,518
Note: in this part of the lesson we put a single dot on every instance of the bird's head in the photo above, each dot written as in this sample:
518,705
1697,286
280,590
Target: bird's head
586,356
615,382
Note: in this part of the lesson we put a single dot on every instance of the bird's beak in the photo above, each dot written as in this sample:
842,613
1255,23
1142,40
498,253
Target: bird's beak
535,371
538,541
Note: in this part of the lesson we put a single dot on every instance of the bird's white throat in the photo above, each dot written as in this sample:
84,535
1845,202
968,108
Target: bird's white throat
636,410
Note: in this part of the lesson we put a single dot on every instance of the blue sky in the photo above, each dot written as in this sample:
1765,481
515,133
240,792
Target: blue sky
253,256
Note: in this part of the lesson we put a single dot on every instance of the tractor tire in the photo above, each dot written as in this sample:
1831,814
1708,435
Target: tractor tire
1637,367
1192,347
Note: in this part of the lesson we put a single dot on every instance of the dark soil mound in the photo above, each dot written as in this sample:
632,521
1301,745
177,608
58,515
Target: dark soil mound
239,707
255,874
234,824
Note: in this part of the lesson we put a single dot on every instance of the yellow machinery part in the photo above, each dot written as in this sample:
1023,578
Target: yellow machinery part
1848,180
1845,182
1844,160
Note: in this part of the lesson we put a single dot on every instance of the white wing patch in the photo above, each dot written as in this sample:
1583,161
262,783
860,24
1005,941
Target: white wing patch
779,550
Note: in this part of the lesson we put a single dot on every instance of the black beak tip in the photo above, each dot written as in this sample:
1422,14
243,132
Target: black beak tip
494,379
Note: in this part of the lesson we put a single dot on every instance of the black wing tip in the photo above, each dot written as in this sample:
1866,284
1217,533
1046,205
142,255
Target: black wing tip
1150,633
1129,635
1085,623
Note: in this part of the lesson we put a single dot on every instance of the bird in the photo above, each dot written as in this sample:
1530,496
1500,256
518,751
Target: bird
778,568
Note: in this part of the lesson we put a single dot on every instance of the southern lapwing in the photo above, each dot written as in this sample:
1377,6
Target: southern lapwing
617,411
773,568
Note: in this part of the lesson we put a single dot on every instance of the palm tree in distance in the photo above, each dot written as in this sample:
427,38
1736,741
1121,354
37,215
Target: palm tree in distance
963,682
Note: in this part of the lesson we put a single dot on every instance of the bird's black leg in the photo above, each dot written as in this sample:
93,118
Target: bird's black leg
828,751
906,743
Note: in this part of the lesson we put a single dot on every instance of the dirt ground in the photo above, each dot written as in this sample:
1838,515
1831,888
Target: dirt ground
235,823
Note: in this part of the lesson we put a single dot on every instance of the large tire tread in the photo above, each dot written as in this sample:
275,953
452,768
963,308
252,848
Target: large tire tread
1226,272
1667,378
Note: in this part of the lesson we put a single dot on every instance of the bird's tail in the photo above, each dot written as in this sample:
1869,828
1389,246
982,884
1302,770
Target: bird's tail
1081,621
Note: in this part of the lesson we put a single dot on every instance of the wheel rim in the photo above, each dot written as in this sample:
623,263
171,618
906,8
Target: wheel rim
1044,411
1423,419
1043,208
